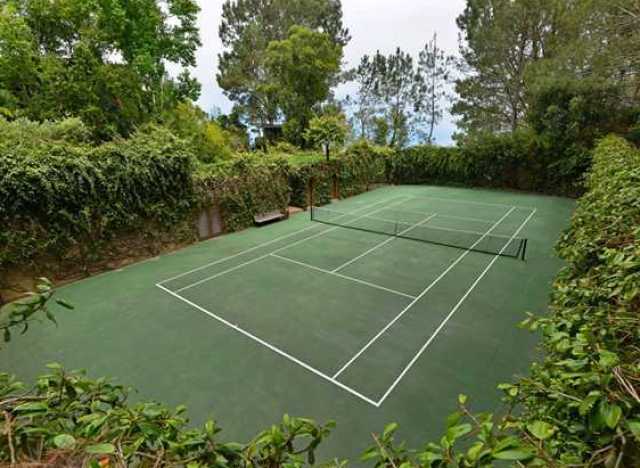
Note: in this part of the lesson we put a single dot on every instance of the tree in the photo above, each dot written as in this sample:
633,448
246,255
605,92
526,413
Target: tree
390,87
327,130
509,46
104,62
364,103
568,116
499,39
208,141
434,68
301,69
247,29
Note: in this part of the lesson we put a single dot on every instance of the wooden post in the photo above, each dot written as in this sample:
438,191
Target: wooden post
311,192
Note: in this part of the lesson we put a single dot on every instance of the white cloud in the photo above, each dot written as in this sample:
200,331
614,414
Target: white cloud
374,24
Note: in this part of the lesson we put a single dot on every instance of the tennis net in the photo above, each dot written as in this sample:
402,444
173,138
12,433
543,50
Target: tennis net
420,231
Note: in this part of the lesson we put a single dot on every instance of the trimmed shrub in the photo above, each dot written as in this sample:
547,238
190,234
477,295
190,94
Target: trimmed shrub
428,165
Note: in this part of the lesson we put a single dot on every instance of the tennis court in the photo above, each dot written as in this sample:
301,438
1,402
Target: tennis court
378,308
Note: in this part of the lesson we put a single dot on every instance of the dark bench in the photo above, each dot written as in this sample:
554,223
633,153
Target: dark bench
268,217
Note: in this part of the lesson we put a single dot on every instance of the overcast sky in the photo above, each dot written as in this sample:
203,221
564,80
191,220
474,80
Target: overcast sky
374,24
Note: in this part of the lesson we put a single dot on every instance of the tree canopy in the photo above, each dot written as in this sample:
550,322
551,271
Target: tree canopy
509,45
248,27
104,62
301,67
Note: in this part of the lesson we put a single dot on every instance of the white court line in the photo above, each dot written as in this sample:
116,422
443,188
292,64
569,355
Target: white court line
229,270
462,218
339,275
404,223
423,213
448,317
264,244
471,202
381,244
273,348
421,295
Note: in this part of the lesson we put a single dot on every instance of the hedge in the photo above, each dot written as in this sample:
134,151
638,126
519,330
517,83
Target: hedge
510,160
64,201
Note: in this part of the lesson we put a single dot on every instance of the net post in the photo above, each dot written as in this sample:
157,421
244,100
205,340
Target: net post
524,249
312,212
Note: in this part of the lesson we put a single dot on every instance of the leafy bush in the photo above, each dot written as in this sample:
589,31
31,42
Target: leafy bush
27,132
283,147
207,140
508,160
580,405
361,166
315,176
427,165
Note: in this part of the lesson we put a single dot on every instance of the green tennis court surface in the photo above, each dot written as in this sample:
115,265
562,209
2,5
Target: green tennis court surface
383,309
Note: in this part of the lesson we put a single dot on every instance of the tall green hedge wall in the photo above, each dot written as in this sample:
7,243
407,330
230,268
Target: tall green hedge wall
587,386
64,199
511,160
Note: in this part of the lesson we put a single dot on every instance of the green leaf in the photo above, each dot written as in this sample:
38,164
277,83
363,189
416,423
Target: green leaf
31,407
612,415
513,455
389,430
634,427
462,399
100,449
64,441
608,359
65,304
541,430
455,432
454,418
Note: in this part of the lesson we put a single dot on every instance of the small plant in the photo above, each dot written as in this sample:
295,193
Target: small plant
327,130
19,314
